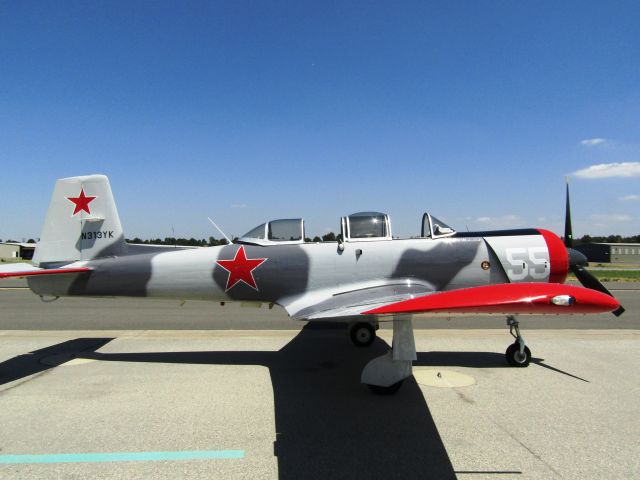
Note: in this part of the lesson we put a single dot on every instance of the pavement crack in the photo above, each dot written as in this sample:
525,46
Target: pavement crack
537,456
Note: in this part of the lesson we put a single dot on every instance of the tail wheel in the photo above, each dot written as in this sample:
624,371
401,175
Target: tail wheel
362,334
517,359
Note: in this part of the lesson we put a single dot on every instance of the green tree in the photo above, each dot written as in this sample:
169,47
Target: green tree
329,237
586,239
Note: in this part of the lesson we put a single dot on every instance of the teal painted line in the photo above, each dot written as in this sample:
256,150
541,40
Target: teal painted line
124,456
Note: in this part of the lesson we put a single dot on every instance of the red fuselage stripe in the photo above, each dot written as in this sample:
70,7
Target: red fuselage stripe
52,271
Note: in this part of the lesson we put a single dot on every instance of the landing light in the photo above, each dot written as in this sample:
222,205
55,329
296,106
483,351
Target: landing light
563,300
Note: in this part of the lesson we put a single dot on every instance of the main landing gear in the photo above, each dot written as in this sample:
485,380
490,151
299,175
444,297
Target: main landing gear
384,375
363,333
518,354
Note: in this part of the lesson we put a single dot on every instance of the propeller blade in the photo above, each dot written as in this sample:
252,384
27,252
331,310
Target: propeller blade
578,261
589,281
568,231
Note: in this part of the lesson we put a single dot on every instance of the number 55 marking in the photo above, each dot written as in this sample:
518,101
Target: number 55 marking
527,262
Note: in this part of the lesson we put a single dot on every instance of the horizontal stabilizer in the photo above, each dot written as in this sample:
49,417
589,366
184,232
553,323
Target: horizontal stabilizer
28,270
527,298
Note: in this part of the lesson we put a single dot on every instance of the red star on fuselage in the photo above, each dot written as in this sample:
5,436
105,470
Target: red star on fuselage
81,202
241,269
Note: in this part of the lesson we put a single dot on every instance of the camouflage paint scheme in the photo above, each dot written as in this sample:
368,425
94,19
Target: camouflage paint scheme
310,280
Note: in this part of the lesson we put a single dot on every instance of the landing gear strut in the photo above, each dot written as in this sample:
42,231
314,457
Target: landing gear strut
384,375
518,354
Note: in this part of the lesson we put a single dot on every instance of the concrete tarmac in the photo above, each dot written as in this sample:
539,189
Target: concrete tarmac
291,403
256,395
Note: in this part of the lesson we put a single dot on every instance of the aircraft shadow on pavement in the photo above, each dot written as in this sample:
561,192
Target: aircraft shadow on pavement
327,423
47,358
477,360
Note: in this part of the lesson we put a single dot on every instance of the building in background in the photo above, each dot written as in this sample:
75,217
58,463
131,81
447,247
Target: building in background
11,250
611,252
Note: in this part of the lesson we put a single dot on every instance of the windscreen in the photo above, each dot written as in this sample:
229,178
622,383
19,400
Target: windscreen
285,230
257,232
367,226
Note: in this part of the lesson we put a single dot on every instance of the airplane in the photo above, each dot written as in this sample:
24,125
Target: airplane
365,277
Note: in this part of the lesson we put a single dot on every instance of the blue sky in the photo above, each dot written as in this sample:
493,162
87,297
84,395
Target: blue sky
246,111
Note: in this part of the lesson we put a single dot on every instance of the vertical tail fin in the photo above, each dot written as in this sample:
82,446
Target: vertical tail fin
82,222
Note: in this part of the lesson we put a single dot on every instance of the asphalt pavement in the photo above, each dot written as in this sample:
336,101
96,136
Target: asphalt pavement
22,310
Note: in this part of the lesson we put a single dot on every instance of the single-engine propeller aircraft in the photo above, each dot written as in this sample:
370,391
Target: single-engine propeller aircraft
365,277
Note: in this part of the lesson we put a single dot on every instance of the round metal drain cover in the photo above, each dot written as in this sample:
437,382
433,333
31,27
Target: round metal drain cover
442,378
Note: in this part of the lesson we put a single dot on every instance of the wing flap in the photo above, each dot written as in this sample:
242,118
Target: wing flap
352,310
351,300
527,298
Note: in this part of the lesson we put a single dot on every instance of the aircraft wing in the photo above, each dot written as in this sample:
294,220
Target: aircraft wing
510,298
25,270
351,301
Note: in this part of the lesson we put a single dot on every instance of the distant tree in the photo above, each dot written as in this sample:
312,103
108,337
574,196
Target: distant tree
329,237
586,239
317,239
31,240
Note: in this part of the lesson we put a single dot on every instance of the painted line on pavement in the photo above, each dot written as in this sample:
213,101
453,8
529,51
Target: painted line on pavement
124,456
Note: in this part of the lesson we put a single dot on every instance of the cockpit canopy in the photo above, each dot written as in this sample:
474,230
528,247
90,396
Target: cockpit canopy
285,231
366,226
357,227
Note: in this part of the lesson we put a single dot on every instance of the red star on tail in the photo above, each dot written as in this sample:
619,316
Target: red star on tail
82,202
240,269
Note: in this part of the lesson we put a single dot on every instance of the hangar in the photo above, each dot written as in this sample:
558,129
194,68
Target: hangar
10,250
611,252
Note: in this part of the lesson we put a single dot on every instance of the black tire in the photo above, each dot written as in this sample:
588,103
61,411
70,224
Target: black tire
515,359
390,390
362,334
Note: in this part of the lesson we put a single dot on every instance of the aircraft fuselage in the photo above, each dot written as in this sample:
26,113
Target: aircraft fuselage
281,273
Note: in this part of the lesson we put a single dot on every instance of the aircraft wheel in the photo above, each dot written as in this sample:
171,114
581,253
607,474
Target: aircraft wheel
515,358
390,390
362,334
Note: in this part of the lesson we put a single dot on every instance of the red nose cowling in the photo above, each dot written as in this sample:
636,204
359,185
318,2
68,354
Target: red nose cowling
558,256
